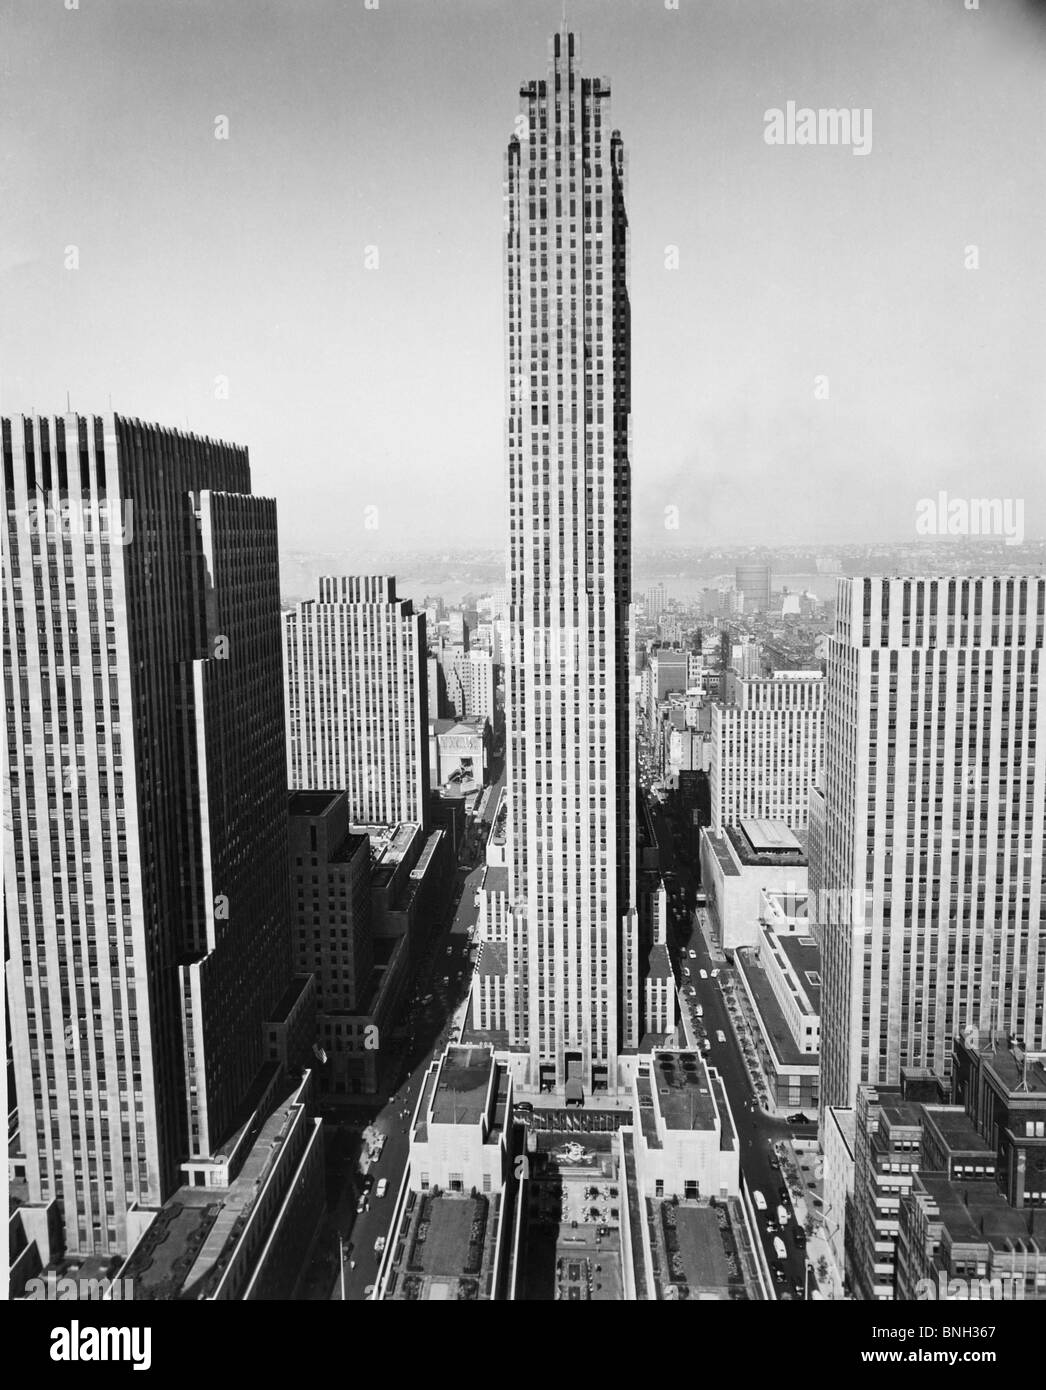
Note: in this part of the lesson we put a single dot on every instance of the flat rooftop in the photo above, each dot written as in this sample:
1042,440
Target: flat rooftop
493,959
1006,1067
769,835
312,803
496,879
461,1089
719,847
977,1212
684,1093
785,854
957,1130
804,960
787,1054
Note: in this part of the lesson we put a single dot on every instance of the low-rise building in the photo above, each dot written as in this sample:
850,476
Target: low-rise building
780,997
738,864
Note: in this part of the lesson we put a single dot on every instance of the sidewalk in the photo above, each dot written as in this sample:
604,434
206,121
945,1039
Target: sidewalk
795,1163
741,1030
704,927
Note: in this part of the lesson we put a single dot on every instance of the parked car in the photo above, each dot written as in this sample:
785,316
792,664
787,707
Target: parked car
379,1245
779,1248
686,971
799,1119
703,974
382,1187
706,1046
720,1036
692,953
715,973
759,1200
782,1217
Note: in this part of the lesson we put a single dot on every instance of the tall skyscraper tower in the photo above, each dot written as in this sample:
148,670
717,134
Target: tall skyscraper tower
356,673
929,881
753,583
571,764
145,809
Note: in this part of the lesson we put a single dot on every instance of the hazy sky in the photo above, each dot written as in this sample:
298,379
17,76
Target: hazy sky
349,127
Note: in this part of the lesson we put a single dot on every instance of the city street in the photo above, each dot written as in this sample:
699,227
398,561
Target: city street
444,978
757,1130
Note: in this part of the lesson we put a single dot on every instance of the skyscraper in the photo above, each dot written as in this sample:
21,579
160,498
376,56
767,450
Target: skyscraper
753,583
573,974
766,748
356,674
145,812
930,878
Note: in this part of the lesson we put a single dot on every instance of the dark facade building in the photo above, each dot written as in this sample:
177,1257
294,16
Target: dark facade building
145,822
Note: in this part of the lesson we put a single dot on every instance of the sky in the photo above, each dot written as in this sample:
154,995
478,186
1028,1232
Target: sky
820,360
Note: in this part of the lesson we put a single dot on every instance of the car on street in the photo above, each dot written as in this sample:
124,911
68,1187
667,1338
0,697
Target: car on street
779,1248
379,1245
706,1046
382,1187
715,973
450,950
692,953
759,1200
699,1010
691,991
799,1119
703,974
782,1217
686,971
361,1204
720,1036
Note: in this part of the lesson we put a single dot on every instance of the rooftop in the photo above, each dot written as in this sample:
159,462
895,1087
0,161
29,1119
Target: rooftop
313,803
719,847
496,879
804,961
788,852
445,1247
461,1089
684,1094
787,1054
957,1130
493,959
976,1212
769,835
